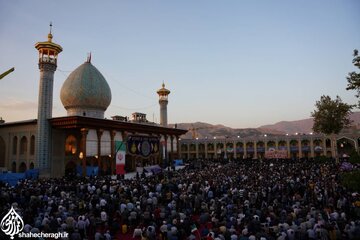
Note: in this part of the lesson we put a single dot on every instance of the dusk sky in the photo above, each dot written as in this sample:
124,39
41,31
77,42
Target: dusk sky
237,63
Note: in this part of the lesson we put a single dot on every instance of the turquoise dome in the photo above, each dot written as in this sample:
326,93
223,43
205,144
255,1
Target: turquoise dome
85,92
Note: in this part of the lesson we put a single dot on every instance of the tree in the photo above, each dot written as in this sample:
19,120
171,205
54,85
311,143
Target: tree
353,78
331,116
351,180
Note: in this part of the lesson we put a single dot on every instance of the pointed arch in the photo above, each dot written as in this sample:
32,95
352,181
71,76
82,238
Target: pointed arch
23,145
22,167
14,145
13,167
32,145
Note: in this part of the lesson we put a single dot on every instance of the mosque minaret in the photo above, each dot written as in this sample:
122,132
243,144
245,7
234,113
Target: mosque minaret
48,53
163,101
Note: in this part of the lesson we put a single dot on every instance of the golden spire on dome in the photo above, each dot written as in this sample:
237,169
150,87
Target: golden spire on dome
50,36
88,60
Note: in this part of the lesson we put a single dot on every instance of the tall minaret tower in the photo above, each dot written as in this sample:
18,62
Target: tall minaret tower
48,53
163,101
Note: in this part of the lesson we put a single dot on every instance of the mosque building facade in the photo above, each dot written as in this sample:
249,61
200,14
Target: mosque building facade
84,137
305,146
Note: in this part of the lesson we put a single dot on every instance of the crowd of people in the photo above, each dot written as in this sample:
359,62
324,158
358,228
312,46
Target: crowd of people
216,201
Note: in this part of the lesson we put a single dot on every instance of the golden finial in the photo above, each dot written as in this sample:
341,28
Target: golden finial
88,60
50,36
163,85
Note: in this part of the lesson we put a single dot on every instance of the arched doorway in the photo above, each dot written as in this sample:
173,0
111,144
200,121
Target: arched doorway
23,145
250,150
294,149
282,145
229,150
13,167
201,149
345,147
318,149
70,168
22,167
260,148
2,152
31,165
220,150
305,148
239,150
210,149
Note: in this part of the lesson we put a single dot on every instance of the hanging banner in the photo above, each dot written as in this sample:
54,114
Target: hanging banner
276,154
143,146
120,151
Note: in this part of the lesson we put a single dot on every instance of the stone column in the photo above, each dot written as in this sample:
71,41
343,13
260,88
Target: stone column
245,152
165,155
99,133
188,151
206,150
84,132
113,154
178,148
234,149
172,148
312,155
288,148
197,149
255,150
300,148
215,150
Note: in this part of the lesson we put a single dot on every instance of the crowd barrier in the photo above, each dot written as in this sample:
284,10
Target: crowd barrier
90,171
13,178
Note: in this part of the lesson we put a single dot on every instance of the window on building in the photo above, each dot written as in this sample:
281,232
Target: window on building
14,148
32,145
23,145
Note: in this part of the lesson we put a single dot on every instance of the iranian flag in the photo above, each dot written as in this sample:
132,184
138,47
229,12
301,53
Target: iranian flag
120,150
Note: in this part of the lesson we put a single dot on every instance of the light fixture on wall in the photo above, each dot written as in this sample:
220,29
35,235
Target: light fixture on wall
81,155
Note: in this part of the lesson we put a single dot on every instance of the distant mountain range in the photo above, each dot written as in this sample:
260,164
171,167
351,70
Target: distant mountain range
203,130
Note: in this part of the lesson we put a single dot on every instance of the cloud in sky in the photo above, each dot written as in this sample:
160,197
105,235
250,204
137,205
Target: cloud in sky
12,109
12,104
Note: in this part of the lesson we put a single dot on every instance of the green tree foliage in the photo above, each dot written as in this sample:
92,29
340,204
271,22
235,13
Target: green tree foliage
351,180
331,116
354,157
353,78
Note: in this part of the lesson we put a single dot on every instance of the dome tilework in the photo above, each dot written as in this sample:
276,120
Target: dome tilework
85,88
